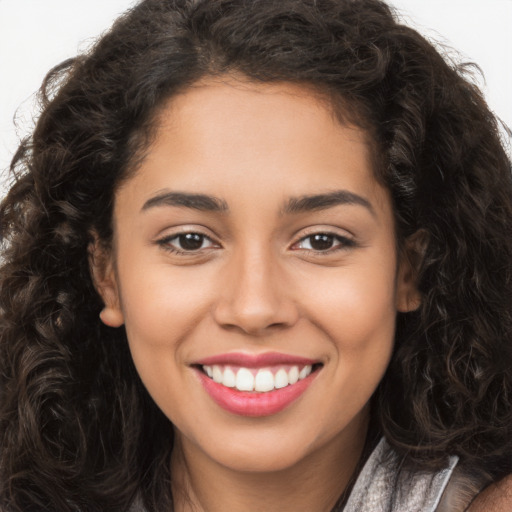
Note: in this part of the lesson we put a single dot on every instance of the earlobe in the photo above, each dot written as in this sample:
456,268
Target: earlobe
408,297
103,275
113,317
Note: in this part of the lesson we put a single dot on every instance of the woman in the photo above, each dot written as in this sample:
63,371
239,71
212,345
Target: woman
258,257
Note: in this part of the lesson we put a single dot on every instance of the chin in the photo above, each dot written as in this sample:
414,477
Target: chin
259,460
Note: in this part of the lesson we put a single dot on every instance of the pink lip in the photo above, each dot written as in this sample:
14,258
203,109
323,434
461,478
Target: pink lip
255,360
254,404
246,403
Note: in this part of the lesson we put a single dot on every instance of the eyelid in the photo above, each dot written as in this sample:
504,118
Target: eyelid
329,229
183,229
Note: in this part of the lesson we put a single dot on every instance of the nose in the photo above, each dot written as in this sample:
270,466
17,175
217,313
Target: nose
254,298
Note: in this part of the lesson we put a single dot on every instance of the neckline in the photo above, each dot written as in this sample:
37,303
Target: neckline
372,440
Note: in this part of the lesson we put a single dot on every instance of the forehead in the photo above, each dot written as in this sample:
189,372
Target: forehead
226,135
237,102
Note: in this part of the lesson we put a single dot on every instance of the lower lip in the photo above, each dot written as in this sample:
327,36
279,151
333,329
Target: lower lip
254,404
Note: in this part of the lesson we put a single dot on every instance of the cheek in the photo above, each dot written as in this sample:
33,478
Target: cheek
354,305
357,313
161,307
161,303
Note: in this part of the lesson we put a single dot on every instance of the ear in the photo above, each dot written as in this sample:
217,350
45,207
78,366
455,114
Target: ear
408,297
102,268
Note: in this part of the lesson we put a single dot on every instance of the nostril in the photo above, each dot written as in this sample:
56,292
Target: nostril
255,316
277,325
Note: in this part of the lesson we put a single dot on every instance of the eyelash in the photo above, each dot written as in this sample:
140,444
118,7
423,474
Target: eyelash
343,243
165,243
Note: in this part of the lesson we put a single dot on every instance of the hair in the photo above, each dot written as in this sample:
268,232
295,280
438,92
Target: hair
78,431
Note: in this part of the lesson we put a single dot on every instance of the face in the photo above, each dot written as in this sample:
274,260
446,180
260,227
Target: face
255,270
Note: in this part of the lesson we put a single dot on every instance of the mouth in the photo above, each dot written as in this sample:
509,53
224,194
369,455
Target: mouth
258,380
259,385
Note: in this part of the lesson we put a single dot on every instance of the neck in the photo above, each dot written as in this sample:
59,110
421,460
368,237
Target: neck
316,482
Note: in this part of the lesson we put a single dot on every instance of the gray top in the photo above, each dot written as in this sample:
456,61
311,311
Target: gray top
382,487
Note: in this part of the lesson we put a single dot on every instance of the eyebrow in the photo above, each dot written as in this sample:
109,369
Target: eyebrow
315,202
301,204
202,202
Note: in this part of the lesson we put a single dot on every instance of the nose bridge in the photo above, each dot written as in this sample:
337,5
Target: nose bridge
254,297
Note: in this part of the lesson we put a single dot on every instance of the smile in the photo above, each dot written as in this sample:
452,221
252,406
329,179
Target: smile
259,380
259,385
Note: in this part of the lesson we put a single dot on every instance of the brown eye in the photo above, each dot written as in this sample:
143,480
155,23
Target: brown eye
187,242
190,241
321,242
324,242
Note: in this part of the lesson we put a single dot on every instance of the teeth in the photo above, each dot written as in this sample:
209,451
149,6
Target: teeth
305,372
229,379
264,381
293,375
261,380
217,374
281,379
244,380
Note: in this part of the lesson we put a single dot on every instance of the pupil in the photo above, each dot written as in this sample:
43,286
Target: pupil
321,242
191,241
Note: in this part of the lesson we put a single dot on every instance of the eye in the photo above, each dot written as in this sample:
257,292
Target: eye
323,242
187,242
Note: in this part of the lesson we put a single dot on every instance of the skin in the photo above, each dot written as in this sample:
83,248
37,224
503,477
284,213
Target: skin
254,286
495,498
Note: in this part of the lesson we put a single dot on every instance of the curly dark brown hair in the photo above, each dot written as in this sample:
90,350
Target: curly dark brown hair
78,431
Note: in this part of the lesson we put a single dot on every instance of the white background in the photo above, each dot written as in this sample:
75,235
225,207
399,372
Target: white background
38,34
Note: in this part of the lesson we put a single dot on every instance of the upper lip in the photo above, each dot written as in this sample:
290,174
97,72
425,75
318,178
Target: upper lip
255,360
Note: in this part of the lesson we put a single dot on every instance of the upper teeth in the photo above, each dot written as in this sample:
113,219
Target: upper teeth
260,380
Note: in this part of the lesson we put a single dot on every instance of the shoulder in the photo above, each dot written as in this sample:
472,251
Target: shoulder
496,497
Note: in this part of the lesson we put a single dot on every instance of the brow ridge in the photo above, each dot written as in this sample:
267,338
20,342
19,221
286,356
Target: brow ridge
300,204
202,202
324,201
